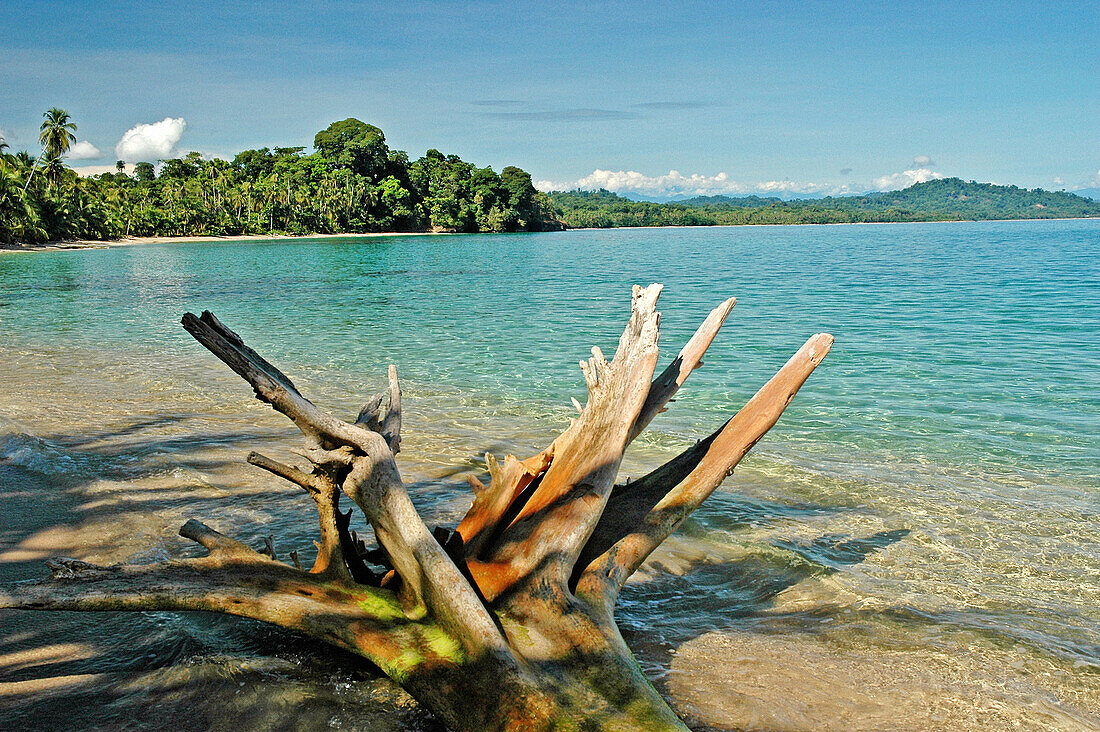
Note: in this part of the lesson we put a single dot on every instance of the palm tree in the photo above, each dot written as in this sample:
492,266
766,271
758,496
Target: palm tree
53,168
56,133
19,220
56,136
10,203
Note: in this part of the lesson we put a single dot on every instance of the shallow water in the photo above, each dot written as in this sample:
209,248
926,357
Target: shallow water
916,545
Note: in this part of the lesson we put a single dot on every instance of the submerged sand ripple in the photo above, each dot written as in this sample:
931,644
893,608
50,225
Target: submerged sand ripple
791,683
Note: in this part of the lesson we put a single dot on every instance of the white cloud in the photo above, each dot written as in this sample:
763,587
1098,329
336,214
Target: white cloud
1058,181
90,170
905,179
923,161
150,142
84,150
675,183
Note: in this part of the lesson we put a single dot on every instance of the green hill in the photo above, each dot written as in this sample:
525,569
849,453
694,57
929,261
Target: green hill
947,199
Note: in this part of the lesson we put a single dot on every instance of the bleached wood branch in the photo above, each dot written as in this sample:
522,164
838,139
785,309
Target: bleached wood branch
645,513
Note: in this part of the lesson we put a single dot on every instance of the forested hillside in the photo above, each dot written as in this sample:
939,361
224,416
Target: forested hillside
948,199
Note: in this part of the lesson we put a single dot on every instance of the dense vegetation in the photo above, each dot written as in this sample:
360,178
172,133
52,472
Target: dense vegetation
948,199
353,182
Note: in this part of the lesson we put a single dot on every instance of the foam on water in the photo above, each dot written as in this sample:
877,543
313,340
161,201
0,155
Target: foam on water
918,537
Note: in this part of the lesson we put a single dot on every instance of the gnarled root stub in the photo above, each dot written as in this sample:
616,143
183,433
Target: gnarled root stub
504,623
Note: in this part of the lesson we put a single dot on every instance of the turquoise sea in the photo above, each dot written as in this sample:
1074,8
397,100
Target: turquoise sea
916,545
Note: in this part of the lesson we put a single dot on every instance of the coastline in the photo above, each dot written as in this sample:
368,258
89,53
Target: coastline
137,240
837,223
77,244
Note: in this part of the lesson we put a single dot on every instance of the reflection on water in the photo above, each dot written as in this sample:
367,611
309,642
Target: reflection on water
916,545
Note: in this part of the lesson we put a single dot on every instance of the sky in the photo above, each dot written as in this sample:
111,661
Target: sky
661,99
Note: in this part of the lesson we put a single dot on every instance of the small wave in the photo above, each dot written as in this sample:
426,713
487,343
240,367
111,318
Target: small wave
20,447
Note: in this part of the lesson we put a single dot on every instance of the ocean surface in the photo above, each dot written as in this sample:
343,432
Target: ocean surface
915,546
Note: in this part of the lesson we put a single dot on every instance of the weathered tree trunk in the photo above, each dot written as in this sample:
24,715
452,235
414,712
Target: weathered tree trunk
507,621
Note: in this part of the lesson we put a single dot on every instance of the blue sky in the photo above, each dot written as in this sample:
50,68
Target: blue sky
734,97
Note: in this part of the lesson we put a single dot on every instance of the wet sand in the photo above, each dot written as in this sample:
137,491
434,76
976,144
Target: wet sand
109,478
102,464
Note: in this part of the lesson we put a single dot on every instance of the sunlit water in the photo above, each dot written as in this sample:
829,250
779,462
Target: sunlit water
915,546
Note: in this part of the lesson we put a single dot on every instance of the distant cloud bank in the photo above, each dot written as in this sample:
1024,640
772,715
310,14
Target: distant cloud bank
673,105
520,110
675,183
564,115
151,142
90,170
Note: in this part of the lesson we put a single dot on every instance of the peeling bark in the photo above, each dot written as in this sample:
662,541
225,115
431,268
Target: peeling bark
505,623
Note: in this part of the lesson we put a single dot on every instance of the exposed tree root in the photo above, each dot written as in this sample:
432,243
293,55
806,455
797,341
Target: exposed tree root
506,622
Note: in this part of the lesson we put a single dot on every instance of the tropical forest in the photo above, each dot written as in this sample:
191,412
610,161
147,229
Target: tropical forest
353,182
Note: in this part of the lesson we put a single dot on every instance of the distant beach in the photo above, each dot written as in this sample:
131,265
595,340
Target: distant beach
136,240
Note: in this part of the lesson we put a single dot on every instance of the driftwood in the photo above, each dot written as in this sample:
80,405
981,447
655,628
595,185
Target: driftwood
505,622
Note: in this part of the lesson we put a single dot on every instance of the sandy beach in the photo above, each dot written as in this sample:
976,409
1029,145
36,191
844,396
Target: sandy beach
135,240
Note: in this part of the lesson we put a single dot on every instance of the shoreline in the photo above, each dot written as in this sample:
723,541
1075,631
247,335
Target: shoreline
80,244
129,241
837,223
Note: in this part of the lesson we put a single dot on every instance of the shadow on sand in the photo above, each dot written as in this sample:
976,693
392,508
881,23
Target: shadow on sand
205,671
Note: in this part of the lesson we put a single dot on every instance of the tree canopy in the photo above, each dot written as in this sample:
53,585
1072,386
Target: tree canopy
352,182
354,145
57,133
